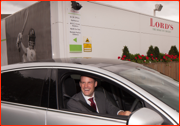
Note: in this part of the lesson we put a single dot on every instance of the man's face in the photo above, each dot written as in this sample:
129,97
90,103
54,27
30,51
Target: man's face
87,85
31,44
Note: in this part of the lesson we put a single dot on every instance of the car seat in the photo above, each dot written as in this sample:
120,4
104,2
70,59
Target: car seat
108,95
68,89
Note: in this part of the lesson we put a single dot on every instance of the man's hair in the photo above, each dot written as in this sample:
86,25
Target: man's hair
87,76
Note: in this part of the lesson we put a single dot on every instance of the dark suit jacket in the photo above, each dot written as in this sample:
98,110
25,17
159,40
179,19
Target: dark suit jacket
104,106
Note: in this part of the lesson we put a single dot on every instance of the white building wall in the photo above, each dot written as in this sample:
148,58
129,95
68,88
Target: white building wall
110,29
4,60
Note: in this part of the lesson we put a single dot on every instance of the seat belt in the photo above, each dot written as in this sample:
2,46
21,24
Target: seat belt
83,103
115,97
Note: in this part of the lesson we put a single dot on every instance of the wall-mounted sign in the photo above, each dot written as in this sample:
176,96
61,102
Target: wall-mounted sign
87,44
161,26
75,40
87,40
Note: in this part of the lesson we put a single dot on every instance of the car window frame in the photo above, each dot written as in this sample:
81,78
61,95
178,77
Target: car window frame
66,73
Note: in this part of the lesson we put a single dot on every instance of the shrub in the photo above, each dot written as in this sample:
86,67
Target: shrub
161,55
126,53
156,52
173,51
131,56
150,52
176,51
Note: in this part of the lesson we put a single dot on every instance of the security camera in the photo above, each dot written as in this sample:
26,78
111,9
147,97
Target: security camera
75,5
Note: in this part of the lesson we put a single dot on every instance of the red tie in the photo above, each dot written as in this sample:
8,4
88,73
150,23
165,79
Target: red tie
92,103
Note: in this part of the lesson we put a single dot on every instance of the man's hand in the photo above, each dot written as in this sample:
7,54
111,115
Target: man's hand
124,113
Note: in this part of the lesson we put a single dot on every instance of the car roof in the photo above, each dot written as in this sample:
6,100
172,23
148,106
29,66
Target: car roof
103,63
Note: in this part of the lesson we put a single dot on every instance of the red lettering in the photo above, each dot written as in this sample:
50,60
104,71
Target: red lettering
166,26
157,24
171,27
151,22
161,25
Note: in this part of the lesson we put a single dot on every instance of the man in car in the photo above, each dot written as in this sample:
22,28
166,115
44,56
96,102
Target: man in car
93,98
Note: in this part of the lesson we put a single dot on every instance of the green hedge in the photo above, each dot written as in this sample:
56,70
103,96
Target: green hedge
153,55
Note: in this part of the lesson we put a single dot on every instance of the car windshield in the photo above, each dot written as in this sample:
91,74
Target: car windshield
159,85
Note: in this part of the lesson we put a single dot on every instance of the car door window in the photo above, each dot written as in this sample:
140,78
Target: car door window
24,86
116,95
69,86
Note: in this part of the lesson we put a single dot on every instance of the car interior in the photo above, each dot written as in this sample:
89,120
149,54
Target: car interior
119,97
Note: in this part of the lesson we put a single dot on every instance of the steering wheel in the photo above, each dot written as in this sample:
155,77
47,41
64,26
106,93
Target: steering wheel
134,105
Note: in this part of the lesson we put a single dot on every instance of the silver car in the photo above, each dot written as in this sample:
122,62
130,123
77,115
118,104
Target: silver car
36,93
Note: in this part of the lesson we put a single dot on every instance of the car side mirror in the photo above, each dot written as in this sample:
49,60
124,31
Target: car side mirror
145,116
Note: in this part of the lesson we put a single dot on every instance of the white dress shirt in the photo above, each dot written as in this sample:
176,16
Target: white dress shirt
88,102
